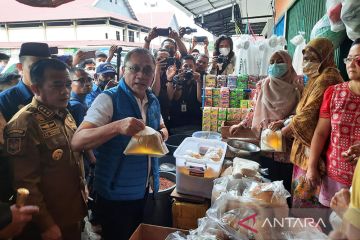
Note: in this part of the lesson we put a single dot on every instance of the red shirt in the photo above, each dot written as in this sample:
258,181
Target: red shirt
343,108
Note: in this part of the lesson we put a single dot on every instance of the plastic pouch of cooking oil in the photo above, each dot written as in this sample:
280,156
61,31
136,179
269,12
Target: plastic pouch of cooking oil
272,141
147,142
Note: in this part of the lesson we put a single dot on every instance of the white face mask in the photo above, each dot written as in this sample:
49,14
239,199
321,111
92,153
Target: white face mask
311,69
224,51
91,73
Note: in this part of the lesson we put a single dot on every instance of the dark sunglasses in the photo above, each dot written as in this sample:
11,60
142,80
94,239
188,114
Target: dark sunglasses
83,80
147,70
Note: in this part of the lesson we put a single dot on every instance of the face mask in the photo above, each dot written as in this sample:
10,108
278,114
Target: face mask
91,73
277,70
224,51
311,68
102,84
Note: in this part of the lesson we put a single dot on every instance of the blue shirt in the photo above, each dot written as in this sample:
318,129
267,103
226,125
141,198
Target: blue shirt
96,90
13,99
77,107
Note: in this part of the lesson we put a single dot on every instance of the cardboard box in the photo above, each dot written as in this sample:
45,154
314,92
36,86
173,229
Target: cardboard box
186,215
152,232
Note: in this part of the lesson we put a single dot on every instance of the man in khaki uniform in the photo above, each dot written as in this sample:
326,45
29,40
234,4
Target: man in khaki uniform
37,141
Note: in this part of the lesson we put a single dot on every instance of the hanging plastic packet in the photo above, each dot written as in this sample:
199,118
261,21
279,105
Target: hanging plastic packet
147,142
272,141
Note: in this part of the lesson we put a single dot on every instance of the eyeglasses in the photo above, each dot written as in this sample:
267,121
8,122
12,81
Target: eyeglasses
147,70
350,60
83,80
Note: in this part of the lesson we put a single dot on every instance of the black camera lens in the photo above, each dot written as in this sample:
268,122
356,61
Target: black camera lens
188,75
221,59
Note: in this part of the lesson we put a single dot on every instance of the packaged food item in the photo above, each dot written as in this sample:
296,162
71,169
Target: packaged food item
206,124
224,97
242,81
208,92
245,168
214,119
210,81
244,104
147,142
208,102
232,81
221,81
216,101
222,114
216,92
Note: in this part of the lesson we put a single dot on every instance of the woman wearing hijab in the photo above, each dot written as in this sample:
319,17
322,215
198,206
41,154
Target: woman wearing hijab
276,100
320,68
223,61
340,121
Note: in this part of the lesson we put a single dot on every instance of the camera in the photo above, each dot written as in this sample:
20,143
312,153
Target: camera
189,30
170,61
188,75
200,39
222,59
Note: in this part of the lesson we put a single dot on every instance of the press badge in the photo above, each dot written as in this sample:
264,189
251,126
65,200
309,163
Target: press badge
183,107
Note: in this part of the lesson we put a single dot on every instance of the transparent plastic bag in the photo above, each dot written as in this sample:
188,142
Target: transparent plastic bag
176,236
245,168
333,10
272,141
351,18
147,142
322,29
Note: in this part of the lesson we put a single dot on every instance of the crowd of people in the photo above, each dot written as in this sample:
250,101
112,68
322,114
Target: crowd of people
66,121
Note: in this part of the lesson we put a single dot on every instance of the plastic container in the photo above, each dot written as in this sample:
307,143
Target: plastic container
207,135
174,141
196,176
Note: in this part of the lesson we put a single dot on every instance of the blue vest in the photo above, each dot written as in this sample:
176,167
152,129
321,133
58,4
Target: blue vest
120,177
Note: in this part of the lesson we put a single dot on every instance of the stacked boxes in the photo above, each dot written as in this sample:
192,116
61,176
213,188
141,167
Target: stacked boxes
214,119
215,97
208,97
231,81
242,81
210,81
221,81
224,97
221,117
206,124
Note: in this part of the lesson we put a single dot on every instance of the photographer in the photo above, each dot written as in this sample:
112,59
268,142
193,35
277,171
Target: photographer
184,92
163,61
172,44
223,62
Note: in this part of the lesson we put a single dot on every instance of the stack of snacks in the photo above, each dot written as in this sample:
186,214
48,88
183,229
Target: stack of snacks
215,97
234,114
242,81
213,119
221,81
231,81
221,118
210,81
206,125
208,97
224,97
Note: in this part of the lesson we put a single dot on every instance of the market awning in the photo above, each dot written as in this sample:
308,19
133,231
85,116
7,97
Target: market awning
219,16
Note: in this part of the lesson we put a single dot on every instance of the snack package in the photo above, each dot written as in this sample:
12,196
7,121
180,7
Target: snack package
208,229
224,97
147,142
214,119
222,114
272,141
216,101
244,104
231,81
242,81
210,81
221,81
208,101
206,124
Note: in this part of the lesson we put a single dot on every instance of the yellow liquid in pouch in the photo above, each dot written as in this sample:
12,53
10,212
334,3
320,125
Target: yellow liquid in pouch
274,140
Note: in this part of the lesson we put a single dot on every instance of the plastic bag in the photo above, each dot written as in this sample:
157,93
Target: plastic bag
272,141
333,10
245,168
208,229
351,18
299,231
147,142
176,236
322,29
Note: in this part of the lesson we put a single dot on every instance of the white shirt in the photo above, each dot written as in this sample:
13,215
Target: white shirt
101,112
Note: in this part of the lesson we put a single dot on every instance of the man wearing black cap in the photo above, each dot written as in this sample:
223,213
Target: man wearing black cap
4,59
13,99
104,79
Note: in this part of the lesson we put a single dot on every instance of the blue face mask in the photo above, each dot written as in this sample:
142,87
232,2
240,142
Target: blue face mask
277,70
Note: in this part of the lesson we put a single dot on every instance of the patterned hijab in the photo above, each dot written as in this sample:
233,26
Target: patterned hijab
278,97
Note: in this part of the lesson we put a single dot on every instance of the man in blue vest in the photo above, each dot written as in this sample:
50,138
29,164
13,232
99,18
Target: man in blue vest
117,114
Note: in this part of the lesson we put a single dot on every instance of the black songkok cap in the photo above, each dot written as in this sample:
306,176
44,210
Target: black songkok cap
35,49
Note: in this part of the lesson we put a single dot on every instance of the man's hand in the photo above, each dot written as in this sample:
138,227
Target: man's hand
152,34
206,43
313,177
174,35
193,42
214,61
52,233
130,126
77,57
340,202
160,63
197,77
170,72
182,31
20,217
112,50
287,131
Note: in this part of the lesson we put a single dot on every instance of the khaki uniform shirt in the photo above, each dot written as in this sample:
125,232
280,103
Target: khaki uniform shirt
37,141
